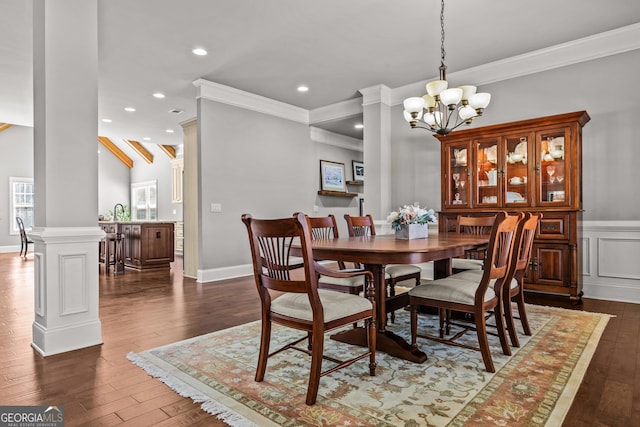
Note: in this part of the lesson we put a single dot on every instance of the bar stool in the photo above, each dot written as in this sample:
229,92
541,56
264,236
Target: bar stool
113,253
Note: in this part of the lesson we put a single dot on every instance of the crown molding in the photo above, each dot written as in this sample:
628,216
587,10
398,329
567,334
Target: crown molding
619,40
339,110
378,94
324,136
249,101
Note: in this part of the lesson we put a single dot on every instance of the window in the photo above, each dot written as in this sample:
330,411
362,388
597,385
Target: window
21,203
144,201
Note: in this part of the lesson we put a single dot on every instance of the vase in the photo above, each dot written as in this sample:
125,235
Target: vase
412,231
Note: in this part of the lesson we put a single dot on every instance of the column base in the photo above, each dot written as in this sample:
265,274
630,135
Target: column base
48,342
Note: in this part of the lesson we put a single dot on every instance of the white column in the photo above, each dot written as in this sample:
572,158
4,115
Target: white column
376,108
66,235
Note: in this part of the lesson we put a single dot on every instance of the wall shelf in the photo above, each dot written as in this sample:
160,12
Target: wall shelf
355,182
336,193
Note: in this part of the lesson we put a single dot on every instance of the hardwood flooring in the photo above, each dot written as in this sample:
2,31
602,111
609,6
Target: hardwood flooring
98,386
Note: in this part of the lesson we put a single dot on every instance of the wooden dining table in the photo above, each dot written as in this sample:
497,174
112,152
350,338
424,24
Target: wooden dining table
374,252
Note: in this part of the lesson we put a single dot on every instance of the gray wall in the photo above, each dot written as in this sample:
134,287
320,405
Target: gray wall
258,164
16,159
160,171
606,88
113,181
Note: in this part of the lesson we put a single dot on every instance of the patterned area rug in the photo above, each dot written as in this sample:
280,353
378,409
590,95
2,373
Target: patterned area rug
534,387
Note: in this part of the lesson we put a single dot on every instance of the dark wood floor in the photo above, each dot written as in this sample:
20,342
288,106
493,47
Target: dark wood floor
98,386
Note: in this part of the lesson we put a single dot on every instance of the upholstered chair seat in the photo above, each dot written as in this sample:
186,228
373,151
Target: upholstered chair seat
336,305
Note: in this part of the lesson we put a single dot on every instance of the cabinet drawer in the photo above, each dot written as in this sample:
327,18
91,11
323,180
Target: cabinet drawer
553,227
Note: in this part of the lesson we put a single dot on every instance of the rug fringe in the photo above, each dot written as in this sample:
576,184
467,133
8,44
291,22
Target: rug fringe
207,404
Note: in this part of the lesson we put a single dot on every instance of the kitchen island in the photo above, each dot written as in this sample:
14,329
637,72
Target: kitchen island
144,244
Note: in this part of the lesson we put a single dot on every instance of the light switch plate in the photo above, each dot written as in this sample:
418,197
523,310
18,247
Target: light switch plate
216,207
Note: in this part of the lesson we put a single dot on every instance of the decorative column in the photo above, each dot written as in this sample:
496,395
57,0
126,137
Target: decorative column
376,107
66,234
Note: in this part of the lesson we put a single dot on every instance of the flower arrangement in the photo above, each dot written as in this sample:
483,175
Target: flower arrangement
411,214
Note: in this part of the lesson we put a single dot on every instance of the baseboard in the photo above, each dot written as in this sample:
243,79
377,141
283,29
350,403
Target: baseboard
7,249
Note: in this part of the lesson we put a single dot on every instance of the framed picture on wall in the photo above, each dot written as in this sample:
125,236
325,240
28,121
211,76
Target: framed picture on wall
332,176
358,170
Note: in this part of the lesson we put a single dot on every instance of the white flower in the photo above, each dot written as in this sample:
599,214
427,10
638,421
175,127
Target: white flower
393,216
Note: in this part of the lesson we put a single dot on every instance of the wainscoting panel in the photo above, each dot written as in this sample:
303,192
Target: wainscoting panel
618,258
73,283
611,265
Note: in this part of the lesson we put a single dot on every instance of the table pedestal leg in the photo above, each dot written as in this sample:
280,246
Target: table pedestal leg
386,341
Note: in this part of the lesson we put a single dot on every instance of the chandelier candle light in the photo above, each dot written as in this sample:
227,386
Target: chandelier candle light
440,108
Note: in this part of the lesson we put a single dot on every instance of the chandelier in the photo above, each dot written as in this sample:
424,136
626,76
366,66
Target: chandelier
443,109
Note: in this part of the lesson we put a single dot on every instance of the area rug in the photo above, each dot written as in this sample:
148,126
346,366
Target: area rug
533,387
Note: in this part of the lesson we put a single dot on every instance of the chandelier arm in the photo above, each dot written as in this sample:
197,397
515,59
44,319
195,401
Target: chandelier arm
458,124
430,129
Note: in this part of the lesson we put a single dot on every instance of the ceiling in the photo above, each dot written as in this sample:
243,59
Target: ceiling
335,47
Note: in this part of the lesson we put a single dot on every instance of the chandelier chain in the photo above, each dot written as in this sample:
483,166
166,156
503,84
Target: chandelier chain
442,51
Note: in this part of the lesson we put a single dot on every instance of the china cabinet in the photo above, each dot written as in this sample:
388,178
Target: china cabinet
530,165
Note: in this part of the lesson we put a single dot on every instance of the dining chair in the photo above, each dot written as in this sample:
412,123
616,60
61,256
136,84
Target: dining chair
24,239
326,227
475,297
300,304
514,291
476,225
394,273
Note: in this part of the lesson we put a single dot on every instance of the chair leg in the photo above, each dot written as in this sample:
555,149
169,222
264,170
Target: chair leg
414,325
483,341
522,312
316,367
502,333
371,338
265,339
511,327
442,314
392,293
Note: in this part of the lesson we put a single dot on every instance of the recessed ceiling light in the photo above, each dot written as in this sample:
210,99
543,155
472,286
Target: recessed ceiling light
146,138
303,88
199,51
359,126
158,95
130,109
107,120
169,131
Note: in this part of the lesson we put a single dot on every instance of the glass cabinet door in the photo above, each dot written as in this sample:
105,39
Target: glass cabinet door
552,168
487,171
516,169
457,184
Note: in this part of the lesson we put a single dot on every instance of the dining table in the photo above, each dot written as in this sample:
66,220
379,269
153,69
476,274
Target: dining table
374,253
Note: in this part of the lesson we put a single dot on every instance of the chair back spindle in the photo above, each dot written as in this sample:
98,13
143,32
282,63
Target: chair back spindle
360,225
